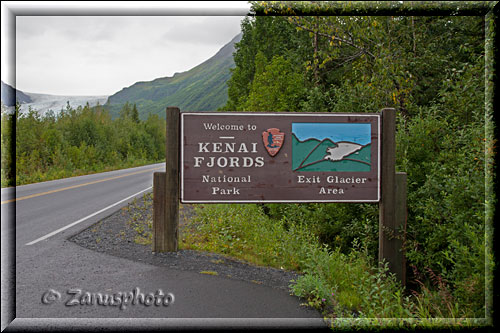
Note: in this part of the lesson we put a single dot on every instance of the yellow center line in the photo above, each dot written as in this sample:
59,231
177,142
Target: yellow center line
76,186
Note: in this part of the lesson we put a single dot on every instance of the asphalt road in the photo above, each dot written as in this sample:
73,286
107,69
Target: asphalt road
52,274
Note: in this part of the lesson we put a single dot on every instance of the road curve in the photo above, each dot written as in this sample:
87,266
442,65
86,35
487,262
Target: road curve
49,269
45,207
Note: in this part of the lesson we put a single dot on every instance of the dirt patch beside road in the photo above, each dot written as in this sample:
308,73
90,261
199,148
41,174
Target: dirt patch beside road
115,236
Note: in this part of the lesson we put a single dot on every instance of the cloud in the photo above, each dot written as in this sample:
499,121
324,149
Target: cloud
202,30
81,55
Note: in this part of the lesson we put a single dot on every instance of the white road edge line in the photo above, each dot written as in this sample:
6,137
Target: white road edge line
85,218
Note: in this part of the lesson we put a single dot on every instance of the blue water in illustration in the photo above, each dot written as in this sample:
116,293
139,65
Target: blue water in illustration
352,132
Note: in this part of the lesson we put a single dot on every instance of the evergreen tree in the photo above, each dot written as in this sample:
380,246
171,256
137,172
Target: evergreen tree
135,114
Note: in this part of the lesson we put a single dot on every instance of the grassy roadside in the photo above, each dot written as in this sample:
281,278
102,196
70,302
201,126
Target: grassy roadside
349,289
347,286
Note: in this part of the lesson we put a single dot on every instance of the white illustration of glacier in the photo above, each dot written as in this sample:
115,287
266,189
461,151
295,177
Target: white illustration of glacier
342,150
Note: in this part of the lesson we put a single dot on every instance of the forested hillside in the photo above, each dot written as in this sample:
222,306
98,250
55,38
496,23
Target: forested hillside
203,88
76,142
431,70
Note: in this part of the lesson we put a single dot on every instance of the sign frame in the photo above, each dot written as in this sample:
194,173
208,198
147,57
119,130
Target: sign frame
377,118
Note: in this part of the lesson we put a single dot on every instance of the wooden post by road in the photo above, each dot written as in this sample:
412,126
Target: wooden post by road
400,227
158,211
166,201
390,217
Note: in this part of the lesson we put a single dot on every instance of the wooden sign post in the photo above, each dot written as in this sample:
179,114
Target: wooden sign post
166,190
392,205
245,157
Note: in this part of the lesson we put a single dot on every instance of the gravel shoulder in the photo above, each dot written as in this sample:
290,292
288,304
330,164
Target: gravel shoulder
115,236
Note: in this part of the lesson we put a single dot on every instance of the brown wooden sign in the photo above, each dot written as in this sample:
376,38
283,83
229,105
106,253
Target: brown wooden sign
279,157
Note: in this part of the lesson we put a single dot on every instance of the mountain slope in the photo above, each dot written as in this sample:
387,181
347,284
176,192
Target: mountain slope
203,88
10,95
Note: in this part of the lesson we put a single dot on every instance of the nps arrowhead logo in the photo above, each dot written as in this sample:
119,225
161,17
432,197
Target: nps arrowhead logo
273,140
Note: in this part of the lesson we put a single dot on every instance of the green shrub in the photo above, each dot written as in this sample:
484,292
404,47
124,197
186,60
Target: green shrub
339,284
76,142
446,196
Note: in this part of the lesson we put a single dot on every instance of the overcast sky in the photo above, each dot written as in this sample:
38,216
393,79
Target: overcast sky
100,55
